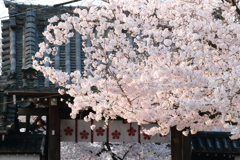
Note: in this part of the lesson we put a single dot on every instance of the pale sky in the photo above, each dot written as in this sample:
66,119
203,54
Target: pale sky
3,10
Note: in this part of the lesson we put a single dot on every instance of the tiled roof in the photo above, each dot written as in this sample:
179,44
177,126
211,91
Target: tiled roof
215,142
21,35
22,143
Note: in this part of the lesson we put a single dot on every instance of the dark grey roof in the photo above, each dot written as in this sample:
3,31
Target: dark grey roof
215,142
21,35
43,11
22,143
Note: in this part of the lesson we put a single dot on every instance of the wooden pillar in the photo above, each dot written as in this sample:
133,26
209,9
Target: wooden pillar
53,133
176,144
186,147
27,123
180,145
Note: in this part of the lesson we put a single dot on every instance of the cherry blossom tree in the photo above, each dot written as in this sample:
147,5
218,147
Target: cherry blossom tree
115,151
170,62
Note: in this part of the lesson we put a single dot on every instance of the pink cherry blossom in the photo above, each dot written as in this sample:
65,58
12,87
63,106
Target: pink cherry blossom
172,62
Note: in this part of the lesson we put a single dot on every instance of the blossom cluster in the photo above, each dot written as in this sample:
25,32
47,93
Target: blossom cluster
130,151
172,62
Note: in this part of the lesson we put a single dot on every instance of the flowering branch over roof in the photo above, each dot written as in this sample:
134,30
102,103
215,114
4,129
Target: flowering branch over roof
168,62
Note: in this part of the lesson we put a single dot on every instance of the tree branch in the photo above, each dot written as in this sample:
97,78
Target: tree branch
213,45
114,156
128,151
235,4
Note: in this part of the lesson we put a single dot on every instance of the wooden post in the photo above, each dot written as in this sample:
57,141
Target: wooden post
186,147
176,144
53,133
180,145
27,123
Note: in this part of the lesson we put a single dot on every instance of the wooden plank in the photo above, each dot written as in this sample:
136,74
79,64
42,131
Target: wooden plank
176,144
53,133
33,111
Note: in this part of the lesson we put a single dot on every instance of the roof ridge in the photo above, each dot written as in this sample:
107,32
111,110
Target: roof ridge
9,3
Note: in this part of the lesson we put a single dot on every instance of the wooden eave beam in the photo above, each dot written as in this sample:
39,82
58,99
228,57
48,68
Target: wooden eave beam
36,94
33,111
33,93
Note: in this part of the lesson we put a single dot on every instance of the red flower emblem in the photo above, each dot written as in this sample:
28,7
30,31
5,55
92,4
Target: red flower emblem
131,131
116,134
100,131
68,131
84,134
146,137
162,135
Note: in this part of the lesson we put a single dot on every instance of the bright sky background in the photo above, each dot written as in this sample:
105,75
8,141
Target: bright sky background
4,11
